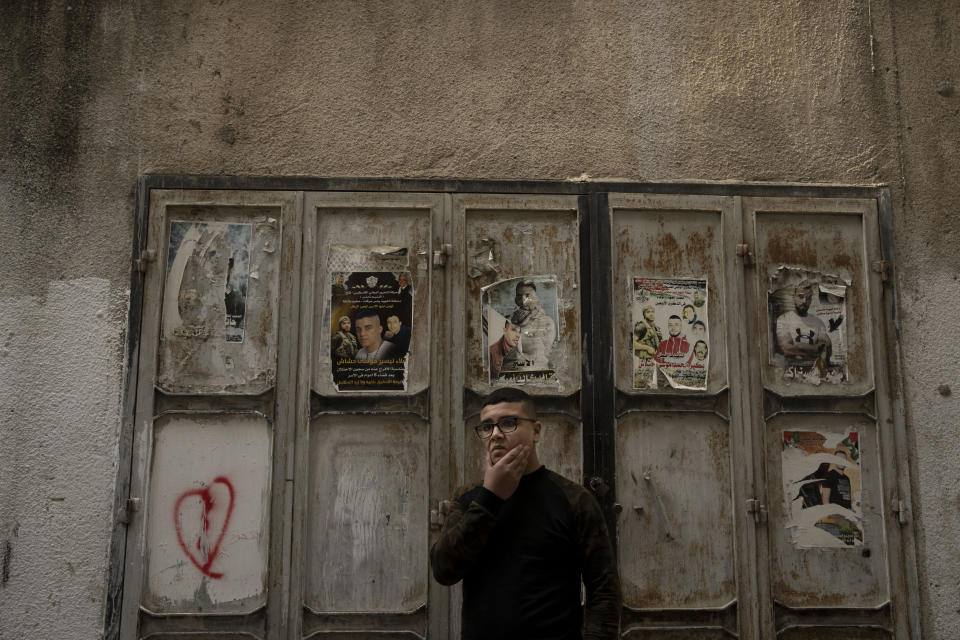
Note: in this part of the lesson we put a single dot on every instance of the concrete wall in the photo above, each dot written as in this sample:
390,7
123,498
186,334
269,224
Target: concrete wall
95,93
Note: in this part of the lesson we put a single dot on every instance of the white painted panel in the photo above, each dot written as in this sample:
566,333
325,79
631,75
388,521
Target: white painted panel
368,515
207,528
675,533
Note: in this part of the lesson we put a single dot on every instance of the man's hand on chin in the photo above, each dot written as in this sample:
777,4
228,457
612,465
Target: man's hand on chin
503,477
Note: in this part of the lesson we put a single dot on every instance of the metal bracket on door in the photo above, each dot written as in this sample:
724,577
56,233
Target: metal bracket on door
758,509
743,251
440,255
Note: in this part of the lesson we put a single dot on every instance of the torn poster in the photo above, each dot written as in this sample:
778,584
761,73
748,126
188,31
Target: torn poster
210,262
371,318
670,342
520,321
822,488
808,320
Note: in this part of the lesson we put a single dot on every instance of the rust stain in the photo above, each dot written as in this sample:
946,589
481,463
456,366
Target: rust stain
791,245
665,255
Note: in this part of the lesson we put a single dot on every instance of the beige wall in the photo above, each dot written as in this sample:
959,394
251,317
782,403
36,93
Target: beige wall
95,93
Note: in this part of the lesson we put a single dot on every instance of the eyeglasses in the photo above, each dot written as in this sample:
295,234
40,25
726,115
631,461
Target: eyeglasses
506,424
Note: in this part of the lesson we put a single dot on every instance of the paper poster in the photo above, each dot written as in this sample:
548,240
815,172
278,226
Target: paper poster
822,488
371,318
808,319
211,263
520,330
671,344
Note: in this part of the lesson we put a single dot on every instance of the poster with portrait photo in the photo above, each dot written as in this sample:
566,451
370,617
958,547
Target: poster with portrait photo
670,342
807,326
370,329
822,488
208,266
520,330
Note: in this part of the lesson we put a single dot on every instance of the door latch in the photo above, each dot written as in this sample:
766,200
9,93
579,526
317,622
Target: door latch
440,255
743,251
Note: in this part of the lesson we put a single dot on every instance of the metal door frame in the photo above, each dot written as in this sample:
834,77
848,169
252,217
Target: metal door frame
593,204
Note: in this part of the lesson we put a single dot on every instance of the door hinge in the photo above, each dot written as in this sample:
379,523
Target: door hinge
146,256
758,509
131,506
743,251
882,268
438,515
900,508
440,255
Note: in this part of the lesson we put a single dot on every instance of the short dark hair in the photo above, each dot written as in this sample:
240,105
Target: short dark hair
368,313
511,394
517,298
700,322
674,317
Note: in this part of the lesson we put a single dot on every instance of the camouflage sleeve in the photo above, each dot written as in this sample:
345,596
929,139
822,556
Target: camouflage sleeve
602,611
464,534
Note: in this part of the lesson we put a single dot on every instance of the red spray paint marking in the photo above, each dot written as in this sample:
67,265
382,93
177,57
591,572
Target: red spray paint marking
208,504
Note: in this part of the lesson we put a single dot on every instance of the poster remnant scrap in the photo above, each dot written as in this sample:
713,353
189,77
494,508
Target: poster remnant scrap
670,342
808,320
208,266
822,488
371,318
520,330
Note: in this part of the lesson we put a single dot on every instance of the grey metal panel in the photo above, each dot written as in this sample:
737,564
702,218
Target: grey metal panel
826,236
528,236
207,246
368,514
852,576
221,398
669,237
368,220
676,527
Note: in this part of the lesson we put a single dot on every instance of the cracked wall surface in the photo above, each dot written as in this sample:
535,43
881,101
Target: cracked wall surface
97,92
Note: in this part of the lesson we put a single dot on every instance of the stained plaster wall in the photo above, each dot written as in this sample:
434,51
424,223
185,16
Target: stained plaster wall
95,93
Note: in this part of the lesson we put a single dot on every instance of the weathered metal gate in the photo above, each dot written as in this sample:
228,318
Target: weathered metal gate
288,487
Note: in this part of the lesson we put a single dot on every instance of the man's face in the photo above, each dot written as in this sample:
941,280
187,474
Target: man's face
393,324
801,300
402,280
673,326
700,350
345,325
528,297
511,335
368,333
499,443
648,315
699,331
688,313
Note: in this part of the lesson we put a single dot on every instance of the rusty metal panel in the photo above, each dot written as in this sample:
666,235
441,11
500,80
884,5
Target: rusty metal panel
375,233
560,447
669,237
675,529
367,524
208,515
221,269
812,567
505,237
821,241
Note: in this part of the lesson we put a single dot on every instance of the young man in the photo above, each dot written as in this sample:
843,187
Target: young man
524,539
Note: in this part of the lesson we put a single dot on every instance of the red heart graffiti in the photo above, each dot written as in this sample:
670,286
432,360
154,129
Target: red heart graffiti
206,497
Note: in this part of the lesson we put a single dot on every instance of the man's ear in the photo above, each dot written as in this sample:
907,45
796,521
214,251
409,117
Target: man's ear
536,431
